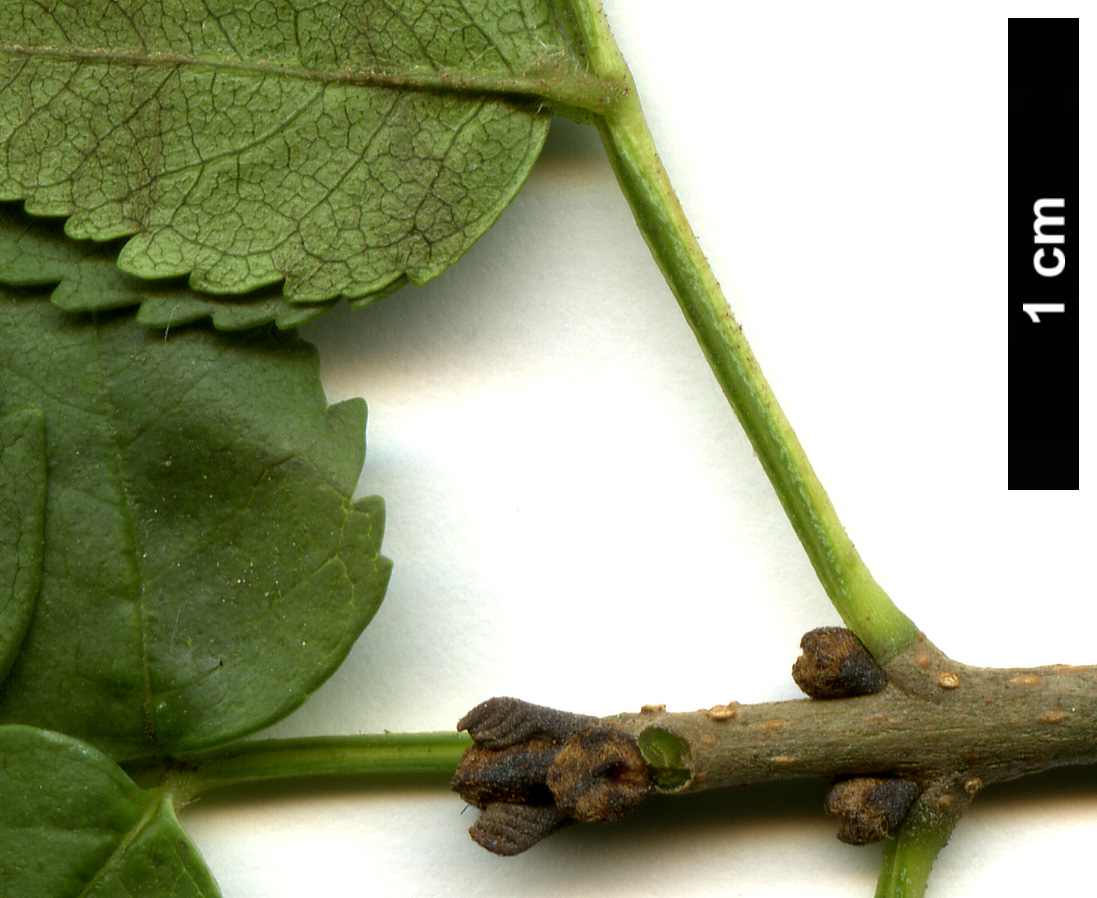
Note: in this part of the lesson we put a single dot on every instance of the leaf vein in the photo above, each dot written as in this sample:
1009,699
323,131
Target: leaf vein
128,119
259,140
410,28
128,838
464,80
487,37
135,554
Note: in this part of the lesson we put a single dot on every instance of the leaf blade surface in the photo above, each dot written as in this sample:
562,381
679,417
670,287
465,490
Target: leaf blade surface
339,146
205,567
73,825
36,252
22,519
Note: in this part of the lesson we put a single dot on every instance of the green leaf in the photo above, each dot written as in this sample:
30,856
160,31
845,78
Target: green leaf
35,252
22,509
343,146
205,567
73,825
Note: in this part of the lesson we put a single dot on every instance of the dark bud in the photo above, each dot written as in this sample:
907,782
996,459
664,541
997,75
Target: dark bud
599,775
870,808
504,721
533,769
835,664
515,774
509,829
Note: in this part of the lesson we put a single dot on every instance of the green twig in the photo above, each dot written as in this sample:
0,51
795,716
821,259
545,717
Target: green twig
390,754
863,605
910,853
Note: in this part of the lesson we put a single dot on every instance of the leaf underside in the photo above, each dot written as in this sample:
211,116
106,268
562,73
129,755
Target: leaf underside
341,147
73,825
22,512
36,252
205,567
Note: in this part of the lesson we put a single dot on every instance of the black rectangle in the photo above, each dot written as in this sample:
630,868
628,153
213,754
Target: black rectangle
1043,254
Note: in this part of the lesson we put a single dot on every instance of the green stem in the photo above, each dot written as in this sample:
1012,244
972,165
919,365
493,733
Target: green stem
863,605
910,853
390,754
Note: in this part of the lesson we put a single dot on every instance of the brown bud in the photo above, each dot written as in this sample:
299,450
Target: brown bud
599,775
515,774
509,829
835,664
532,769
870,808
504,721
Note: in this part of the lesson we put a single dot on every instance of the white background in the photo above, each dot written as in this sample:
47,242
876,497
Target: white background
577,519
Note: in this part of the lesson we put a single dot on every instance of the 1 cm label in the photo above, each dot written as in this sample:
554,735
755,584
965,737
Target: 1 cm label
1047,262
